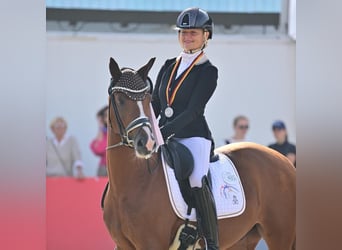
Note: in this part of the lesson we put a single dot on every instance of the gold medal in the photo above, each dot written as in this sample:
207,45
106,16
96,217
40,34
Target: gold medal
168,112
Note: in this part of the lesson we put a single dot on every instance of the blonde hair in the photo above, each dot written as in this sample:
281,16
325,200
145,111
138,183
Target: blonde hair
56,120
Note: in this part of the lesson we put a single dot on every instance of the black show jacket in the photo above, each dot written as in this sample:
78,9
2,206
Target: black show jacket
188,119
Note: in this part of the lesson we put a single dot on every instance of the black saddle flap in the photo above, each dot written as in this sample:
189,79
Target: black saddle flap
179,157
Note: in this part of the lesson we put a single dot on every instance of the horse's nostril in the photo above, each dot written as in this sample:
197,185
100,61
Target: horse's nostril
140,143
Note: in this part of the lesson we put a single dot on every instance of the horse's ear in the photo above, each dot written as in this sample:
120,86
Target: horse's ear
114,69
143,71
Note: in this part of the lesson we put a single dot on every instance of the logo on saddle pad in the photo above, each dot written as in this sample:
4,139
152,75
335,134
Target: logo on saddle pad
229,187
226,187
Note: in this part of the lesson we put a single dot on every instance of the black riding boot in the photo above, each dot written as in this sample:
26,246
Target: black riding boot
206,214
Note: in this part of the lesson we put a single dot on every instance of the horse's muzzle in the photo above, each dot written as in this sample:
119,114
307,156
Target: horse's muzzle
144,143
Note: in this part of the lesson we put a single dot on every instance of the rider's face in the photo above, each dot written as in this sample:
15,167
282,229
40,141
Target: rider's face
192,39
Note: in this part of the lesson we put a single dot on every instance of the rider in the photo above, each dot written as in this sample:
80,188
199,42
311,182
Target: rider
184,86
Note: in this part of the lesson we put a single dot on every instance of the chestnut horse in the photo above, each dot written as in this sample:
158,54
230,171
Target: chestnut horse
137,210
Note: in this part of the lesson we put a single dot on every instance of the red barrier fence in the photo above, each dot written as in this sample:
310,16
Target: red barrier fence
74,215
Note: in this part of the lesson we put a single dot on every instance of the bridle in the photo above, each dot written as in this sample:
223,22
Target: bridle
137,123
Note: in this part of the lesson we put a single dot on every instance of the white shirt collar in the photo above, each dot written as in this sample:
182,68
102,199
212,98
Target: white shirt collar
187,59
62,142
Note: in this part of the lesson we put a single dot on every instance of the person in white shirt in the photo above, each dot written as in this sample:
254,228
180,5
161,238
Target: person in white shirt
63,157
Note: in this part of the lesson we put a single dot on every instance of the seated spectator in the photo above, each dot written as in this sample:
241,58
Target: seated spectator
282,145
240,126
99,144
63,157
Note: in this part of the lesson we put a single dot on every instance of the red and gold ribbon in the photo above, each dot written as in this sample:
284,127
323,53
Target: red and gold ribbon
174,92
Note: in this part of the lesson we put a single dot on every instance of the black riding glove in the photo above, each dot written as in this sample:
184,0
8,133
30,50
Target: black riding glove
166,132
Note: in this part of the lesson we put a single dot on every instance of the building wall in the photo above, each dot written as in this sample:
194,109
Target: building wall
256,78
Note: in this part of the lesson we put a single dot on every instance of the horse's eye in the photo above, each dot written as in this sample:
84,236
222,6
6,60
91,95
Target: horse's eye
121,100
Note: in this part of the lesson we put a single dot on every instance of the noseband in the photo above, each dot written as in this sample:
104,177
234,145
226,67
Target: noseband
139,122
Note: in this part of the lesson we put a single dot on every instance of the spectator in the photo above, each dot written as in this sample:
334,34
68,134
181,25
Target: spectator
282,144
63,157
240,125
99,144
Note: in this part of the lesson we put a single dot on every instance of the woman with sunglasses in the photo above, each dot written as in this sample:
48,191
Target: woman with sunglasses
240,126
184,86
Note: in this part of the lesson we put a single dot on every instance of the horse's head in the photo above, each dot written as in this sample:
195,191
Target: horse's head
129,109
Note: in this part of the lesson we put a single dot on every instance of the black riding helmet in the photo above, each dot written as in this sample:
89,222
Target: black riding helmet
195,18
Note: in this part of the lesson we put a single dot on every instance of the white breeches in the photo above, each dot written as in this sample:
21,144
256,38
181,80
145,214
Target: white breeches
200,149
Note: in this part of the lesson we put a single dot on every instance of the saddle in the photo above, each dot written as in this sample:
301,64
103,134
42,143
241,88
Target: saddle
180,159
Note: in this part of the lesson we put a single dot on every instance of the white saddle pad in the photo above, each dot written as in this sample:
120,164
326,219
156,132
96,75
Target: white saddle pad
226,186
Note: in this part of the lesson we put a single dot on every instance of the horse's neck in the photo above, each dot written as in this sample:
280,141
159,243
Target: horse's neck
131,174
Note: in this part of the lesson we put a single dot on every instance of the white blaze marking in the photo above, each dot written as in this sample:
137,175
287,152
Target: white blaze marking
141,109
150,143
